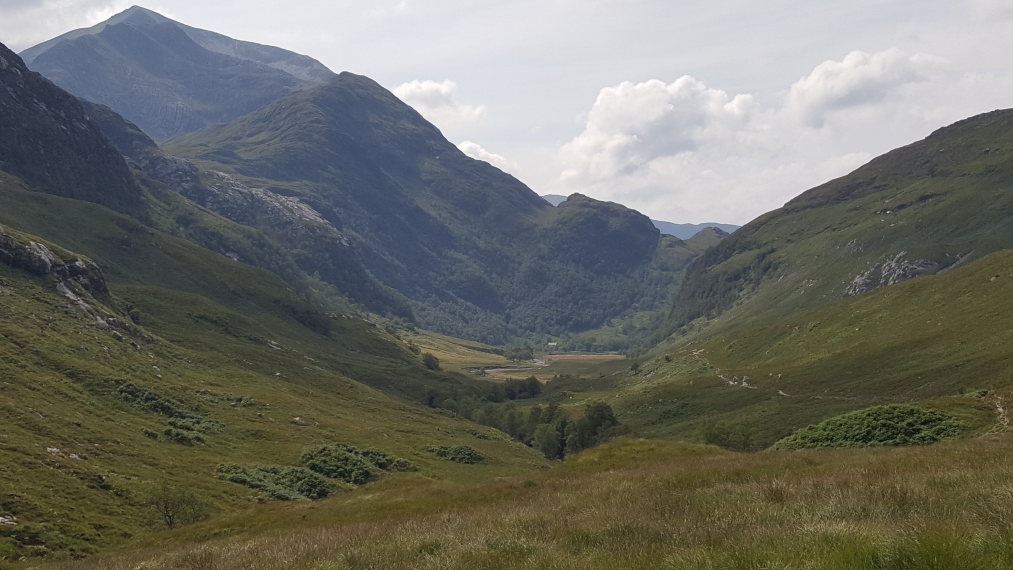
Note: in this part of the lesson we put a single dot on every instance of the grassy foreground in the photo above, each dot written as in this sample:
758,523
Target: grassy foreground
640,504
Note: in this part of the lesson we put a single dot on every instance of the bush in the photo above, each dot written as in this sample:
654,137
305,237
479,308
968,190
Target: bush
183,437
431,361
458,454
278,482
350,464
337,463
894,424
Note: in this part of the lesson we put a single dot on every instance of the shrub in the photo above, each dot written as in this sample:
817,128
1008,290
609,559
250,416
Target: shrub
352,465
278,482
337,463
895,424
458,454
182,437
431,361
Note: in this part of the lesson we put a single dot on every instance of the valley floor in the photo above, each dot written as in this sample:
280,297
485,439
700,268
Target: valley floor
638,504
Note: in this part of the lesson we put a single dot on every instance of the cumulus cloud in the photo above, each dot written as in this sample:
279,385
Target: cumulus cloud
689,152
632,124
437,101
476,151
859,79
28,22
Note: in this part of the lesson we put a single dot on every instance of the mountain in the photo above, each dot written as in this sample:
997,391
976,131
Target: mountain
50,144
921,209
169,78
357,188
459,246
133,359
686,231
681,231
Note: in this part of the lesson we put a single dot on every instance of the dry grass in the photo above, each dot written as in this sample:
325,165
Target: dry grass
645,504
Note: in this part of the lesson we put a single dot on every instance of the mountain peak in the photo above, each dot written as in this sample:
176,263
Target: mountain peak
169,78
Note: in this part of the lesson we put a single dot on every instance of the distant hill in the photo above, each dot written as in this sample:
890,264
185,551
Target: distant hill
921,209
681,231
459,246
169,78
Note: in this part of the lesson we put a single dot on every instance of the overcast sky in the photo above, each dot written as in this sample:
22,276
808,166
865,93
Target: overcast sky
689,111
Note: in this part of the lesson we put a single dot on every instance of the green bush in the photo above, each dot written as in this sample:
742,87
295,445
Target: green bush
183,437
458,454
337,463
352,465
280,483
894,424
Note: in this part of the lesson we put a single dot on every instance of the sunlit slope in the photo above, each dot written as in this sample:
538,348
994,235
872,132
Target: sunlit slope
241,369
922,339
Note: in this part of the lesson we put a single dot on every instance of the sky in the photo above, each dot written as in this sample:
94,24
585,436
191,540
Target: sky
688,111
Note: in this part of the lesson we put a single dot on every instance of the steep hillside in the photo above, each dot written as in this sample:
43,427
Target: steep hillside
169,78
49,142
458,245
918,210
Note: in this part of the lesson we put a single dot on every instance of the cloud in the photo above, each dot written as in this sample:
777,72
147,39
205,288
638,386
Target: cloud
28,22
476,151
859,79
632,124
437,102
689,152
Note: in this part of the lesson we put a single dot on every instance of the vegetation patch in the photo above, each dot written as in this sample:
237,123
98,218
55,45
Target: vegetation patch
279,483
350,464
895,424
457,453
180,417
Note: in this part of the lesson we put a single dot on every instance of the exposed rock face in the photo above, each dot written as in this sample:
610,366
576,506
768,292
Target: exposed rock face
889,272
38,259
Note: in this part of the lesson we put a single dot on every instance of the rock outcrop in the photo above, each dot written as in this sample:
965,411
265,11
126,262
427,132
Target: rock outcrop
39,259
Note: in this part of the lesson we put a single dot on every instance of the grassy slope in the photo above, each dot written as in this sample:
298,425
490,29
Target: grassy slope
641,504
222,330
945,199
923,339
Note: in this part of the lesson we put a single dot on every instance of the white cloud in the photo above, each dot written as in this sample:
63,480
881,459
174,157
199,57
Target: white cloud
632,124
859,79
476,151
27,22
437,102
688,152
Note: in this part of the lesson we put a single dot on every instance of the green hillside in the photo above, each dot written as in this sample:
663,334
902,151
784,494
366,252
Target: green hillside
942,336
220,349
920,209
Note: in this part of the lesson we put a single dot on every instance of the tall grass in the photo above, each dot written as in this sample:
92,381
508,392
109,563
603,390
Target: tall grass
643,504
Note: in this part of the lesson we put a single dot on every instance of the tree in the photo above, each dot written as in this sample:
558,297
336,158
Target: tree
431,361
176,505
546,440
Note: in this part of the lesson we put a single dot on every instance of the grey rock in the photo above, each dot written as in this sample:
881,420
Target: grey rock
888,273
